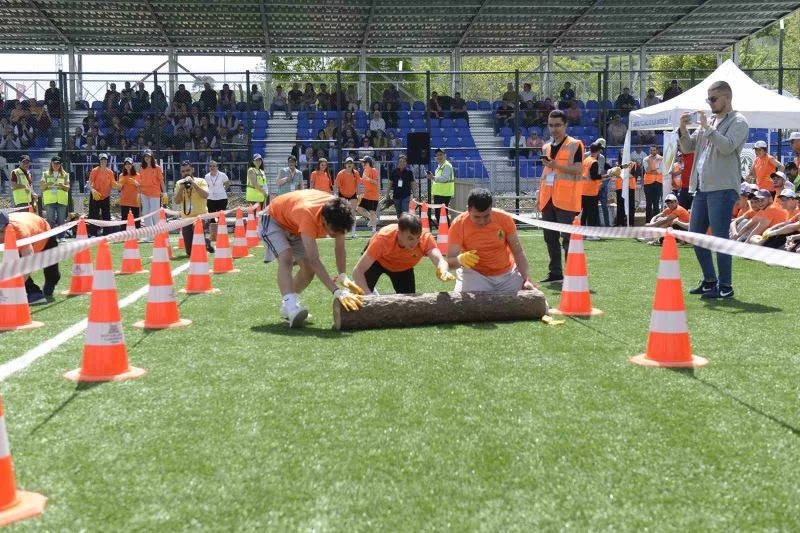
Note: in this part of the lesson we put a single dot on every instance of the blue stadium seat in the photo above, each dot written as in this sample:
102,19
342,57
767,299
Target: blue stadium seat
332,115
418,106
484,105
506,132
416,114
97,105
472,105
496,104
241,106
404,106
461,123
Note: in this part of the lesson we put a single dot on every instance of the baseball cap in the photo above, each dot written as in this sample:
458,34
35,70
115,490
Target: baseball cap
129,160
24,158
257,156
147,151
55,159
601,142
794,136
778,174
760,144
787,193
367,159
103,156
349,160
3,220
746,188
671,198
763,194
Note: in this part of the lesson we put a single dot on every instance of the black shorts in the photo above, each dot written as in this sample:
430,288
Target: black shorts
348,197
369,205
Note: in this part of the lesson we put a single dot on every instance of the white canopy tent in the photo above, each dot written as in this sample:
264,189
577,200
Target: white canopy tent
762,107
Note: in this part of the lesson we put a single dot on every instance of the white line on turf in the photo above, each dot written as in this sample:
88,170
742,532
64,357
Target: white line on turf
26,359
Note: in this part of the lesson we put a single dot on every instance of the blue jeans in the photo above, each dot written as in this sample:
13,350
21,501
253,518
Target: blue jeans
401,205
605,219
715,210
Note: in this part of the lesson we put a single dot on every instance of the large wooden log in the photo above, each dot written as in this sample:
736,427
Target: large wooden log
404,310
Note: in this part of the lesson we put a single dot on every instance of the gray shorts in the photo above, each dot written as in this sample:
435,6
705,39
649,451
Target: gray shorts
278,239
467,280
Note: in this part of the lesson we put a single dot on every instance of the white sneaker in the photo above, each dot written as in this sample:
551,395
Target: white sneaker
285,316
591,238
296,315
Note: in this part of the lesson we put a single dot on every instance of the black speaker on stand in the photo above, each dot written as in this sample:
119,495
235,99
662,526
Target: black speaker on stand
418,152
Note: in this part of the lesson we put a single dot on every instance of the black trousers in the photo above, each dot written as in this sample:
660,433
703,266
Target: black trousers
590,212
620,219
433,214
188,237
51,273
652,199
551,213
685,199
99,210
217,205
403,282
125,209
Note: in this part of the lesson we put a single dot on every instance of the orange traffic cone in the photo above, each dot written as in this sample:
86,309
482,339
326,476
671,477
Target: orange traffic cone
223,260
239,240
161,311
82,271
575,297
131,260
442,234
426,224
15,505
30,208
162,217
412,206
668,342
15,313
199,280
105,357
253,241
181,243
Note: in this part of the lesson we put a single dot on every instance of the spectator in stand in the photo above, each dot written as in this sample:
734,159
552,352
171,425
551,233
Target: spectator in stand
321,177
321,143
625,102
10,143
336,99
573,114
365,150
179,139
389,115
391,95
128,184
646,137
229,121
377,123
544,111
227,98
149,131
672,91
141,98
503,116
458,108
651,98
616,131
294,97
331,131
182,96
208,99
794,142
52,99
510,95
101,180
256,98
323,98
43,123
566,96
534,143
158,102
90,120
527,94
518,140
529,115
350,136
403,186
349,121
764,166
394,142
351,100
380,143
126,95
434,107
306,163
309,100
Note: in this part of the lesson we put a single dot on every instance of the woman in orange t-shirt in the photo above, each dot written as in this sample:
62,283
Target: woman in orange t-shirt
346,184
101,180
152,188
371,180
321,178
128,184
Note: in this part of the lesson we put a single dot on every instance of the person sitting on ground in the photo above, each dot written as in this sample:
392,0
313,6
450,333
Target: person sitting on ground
395,250
673,216
746,193
290,230
765,215
777,235
485,249
791,175
777,183
27,225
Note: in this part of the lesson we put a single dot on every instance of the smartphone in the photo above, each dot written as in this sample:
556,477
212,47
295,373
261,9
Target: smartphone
693,118
545,158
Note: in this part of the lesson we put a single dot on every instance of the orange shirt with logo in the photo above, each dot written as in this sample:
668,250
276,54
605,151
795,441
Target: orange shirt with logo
370,189
490,241
384,249
129,193
321,181
762,167
680,213
300,212
27,225
774,214
101,180
151,179
347,182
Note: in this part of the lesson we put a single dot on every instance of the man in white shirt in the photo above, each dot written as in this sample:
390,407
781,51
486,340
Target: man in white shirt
377,122
218,184
279,103
527,94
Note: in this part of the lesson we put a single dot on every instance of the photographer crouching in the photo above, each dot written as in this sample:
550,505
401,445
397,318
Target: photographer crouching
191,194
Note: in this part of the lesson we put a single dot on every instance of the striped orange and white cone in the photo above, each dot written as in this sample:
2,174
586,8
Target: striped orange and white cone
223,259
181,243
82,271
668,342
442,237
15,505
253,240
161,311
423,216
412,205
131,260
575,297
105,357
240,248
15,313
199,279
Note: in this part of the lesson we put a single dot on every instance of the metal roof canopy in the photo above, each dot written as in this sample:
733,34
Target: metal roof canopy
382,27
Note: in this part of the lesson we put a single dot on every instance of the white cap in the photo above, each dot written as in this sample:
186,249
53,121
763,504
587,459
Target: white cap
760,144
671,198
778,174
795,135
601,142
787,193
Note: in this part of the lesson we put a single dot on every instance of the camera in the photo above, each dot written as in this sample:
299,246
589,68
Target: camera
188,183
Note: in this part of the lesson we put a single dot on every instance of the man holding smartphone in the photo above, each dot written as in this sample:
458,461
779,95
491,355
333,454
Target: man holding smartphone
560,188
442,184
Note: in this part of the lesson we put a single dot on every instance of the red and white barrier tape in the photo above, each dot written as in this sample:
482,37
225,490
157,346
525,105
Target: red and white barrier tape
14,209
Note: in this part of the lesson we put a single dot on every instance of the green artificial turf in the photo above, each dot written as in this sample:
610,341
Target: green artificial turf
243,424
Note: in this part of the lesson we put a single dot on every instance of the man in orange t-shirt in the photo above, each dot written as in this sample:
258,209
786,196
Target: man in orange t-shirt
101,180
27,225
290,229
766,215
346,184
395,250
778,235
674,216
485,248
371,180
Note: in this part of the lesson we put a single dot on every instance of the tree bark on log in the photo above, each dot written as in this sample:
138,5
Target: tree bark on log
404,310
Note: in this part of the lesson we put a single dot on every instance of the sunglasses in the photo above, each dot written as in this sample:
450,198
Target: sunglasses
712,100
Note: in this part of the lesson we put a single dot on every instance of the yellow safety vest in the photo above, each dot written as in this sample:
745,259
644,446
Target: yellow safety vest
22,196
53,195
252,194
447,188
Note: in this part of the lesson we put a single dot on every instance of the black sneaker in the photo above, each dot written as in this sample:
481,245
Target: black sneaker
704,287
210,249
552,278
720,291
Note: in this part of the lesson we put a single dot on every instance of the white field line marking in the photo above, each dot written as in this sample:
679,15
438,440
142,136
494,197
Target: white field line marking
26,359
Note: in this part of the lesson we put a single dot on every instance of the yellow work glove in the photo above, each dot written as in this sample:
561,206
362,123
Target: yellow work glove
468,259
96,195
350,301
350,284
164,199
766,234
444,275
